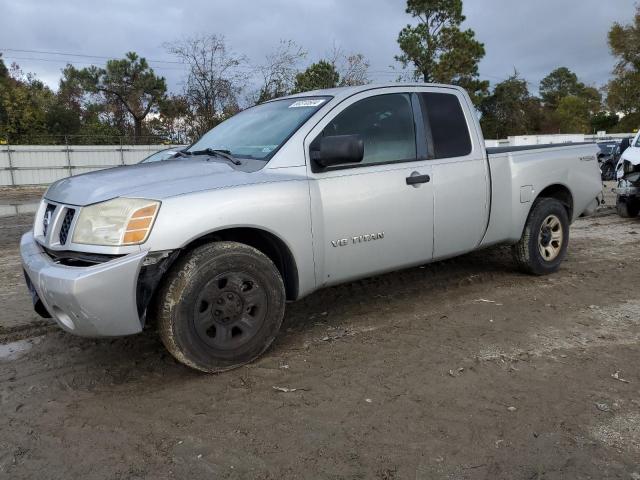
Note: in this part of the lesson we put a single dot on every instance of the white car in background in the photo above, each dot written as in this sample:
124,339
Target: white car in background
631,154
628,176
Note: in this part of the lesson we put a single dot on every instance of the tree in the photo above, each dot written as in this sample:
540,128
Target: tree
438,49
354,71
604,121
129,83
24,103
573,115
214,81
4,86
279,71
560,83
352,68
624,89
171,122
319,75
509,110
4,72
569,104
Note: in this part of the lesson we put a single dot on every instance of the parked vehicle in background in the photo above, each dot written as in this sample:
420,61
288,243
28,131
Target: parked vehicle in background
608,158
162,155
288,197
628,174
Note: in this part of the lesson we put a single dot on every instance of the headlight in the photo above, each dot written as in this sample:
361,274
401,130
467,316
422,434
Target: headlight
121,221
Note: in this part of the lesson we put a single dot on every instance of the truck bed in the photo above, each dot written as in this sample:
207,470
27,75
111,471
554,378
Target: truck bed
520,174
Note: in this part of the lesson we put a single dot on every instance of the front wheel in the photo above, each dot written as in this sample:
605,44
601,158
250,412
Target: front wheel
221,306
627,208
544,241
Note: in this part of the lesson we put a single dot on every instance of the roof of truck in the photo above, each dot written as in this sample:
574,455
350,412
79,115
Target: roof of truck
341,92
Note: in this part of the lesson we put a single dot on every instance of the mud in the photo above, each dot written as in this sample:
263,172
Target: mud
464,369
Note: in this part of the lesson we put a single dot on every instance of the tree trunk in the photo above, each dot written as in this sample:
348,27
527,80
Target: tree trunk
137,129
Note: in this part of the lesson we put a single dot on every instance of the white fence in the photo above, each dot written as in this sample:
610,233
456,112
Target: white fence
44,164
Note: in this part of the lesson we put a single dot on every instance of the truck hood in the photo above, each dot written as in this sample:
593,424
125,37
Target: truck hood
155,180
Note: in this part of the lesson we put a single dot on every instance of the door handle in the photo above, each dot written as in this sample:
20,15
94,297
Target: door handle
415,178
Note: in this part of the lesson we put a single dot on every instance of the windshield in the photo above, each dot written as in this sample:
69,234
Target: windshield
160,156
607,147
638,141
259,131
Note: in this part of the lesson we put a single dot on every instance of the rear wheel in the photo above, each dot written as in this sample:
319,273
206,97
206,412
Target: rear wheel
221,306
544,241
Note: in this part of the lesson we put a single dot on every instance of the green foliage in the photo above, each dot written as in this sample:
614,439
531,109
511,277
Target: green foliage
604,121
439,50
173,111
508,110
624,42
569,105
319,75
129,83
573,115
61,120
560,83
624,89
24,103
4,72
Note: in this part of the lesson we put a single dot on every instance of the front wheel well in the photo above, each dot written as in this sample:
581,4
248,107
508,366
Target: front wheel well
560,193
267,243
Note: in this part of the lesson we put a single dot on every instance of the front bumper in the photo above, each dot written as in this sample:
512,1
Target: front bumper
93,301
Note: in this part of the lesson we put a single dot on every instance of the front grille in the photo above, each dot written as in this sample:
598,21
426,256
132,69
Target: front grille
48,218
66,225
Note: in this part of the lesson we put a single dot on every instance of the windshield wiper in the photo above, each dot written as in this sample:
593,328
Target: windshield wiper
216,152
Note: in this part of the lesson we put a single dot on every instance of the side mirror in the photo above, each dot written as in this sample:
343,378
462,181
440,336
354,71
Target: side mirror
338,150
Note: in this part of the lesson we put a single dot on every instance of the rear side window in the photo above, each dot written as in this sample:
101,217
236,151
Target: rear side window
449,132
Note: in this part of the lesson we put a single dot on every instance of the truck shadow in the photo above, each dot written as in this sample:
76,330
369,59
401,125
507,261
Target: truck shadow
141,361
475,267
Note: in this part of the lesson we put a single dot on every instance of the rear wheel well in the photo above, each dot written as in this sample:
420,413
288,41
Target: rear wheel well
267,243
560,193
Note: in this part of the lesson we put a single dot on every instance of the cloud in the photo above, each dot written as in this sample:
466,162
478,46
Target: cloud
533,37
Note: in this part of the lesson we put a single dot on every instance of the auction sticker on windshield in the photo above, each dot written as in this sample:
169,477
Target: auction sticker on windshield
307,103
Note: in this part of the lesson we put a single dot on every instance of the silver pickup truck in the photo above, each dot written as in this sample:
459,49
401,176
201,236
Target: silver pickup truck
288,197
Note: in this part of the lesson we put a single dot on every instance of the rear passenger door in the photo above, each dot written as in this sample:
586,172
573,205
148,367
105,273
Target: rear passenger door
460,172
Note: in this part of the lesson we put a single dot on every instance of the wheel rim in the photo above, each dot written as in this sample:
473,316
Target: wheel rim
550,238
230,310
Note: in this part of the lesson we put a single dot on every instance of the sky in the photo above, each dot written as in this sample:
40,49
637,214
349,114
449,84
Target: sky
532,36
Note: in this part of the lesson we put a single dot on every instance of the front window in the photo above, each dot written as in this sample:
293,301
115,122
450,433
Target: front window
385,123
259,131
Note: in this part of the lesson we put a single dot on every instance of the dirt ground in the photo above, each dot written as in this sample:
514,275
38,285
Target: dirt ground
465,369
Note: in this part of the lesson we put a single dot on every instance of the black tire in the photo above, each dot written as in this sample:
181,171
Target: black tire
527,252
627,208
221,306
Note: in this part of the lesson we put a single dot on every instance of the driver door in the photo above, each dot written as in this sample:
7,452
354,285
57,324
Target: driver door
377,215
